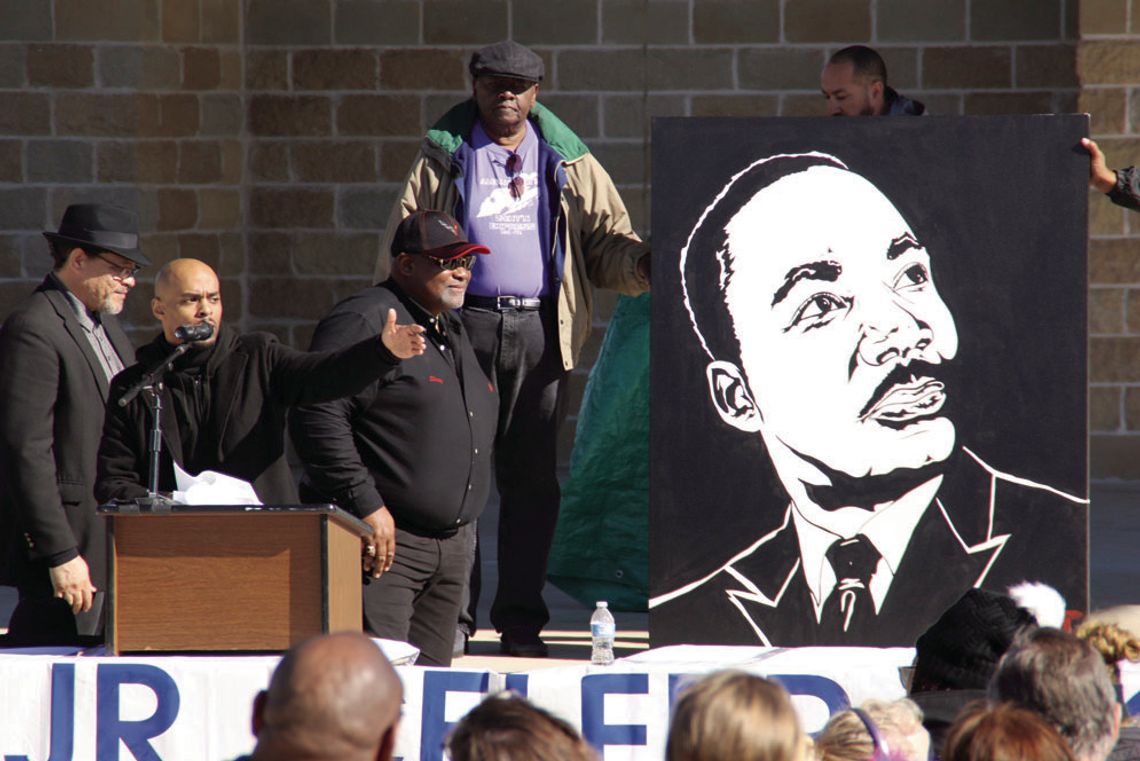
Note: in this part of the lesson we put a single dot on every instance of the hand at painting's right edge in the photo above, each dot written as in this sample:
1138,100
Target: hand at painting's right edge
1100,176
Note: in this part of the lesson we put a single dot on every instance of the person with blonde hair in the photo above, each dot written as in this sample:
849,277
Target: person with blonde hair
1114,643
508,727
735,716
879,730
1004,732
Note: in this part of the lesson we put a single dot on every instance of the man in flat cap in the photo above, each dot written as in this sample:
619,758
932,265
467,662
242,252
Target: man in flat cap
523,184
58,353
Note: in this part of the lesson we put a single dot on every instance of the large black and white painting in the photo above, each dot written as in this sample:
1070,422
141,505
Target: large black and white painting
868,373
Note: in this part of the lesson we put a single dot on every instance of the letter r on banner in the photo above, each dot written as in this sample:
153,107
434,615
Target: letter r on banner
134,734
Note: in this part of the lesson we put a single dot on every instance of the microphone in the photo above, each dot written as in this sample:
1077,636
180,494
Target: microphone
191,333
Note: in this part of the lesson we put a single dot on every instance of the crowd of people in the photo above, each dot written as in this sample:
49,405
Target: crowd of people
1021,692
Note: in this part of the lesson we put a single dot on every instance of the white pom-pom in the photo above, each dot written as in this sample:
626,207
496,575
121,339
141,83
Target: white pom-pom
1042,601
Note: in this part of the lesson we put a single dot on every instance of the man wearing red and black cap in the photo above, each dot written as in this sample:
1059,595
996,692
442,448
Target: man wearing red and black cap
411,453
522,183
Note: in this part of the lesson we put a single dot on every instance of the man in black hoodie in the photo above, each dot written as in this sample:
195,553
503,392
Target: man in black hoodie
224,403
855,84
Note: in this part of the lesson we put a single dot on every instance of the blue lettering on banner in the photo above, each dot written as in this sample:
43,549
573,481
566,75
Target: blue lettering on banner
1132,707
433,726
134,734
827,690
676,683
518,683
595,687
62,743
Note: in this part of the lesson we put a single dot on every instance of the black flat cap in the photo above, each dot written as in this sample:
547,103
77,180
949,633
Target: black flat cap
507,59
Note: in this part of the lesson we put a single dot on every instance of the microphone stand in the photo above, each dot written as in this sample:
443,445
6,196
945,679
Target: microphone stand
151,386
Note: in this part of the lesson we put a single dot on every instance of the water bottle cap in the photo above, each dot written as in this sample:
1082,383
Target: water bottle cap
603,604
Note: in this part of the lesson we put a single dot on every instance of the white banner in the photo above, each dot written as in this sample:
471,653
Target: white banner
55,708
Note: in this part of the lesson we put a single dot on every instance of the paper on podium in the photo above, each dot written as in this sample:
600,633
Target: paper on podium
212,488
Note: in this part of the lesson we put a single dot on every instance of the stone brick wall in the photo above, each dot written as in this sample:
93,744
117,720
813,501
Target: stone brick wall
1108,62
268,137
136,102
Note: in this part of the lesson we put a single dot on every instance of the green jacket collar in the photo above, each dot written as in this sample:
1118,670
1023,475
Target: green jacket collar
454,127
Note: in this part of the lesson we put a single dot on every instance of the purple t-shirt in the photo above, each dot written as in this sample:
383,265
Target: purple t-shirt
506,221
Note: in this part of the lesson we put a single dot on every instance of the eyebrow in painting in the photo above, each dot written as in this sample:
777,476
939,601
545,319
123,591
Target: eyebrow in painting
828,271
901,245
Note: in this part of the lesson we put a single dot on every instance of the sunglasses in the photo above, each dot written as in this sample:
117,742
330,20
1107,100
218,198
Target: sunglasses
118,271
517,185
467,261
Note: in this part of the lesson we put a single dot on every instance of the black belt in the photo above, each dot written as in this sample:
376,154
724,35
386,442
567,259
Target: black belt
503,303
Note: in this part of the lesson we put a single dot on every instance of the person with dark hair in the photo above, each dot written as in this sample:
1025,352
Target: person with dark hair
410,453
1064,680
519,181
735,716
957,656
331,697
506,727
1003,732
58,353
816,304
854,82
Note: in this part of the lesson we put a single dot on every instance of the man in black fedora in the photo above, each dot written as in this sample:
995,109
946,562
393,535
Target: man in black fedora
58,353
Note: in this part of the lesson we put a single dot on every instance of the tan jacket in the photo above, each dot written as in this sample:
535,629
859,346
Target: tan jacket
601,246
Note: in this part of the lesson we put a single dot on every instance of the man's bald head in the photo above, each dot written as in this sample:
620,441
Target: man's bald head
333,696
187,292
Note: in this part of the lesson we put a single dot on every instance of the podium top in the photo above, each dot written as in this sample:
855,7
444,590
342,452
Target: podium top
131,509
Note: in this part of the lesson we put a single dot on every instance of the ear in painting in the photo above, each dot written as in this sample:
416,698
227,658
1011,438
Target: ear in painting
732,397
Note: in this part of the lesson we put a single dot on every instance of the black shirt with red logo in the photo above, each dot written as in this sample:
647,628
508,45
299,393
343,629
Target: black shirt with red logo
418,440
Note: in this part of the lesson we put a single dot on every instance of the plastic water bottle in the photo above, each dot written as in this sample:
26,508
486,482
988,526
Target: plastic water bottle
602,633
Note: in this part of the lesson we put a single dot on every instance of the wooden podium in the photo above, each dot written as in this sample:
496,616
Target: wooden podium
230,578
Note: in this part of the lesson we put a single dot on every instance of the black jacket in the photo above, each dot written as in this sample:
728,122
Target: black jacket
252,381
418,440
52,389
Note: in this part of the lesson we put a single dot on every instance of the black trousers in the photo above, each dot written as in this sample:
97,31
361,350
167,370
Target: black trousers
519,352
417,599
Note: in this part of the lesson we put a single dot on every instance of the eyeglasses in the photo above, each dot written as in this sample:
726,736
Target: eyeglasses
118,271
517,184
466,261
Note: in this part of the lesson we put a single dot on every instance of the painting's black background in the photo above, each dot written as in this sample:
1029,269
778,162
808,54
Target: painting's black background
1000,203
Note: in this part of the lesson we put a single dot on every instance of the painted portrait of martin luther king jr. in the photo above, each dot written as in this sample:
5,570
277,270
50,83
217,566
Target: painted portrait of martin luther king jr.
817,309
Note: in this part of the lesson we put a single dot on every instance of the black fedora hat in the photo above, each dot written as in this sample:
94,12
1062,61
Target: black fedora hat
100,227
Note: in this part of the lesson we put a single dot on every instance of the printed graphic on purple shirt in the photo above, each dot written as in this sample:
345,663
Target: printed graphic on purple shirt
503,195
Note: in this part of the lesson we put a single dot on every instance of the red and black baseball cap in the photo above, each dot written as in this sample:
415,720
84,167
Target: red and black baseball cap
433,233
